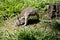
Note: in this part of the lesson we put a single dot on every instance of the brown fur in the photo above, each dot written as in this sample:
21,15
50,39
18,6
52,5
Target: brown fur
25,13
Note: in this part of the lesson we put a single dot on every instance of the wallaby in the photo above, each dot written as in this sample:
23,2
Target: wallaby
25,13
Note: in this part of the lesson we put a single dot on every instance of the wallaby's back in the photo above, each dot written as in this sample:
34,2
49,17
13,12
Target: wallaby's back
28,11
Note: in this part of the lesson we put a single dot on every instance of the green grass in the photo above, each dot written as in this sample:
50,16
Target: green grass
39,31
9,9
26,33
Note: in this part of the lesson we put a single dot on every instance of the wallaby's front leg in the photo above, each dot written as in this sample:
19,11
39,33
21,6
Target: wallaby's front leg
25,21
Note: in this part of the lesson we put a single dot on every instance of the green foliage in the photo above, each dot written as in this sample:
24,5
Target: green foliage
10,8
27,34
54,24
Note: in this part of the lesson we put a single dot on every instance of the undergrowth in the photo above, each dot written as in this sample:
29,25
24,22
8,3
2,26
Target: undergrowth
39,31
